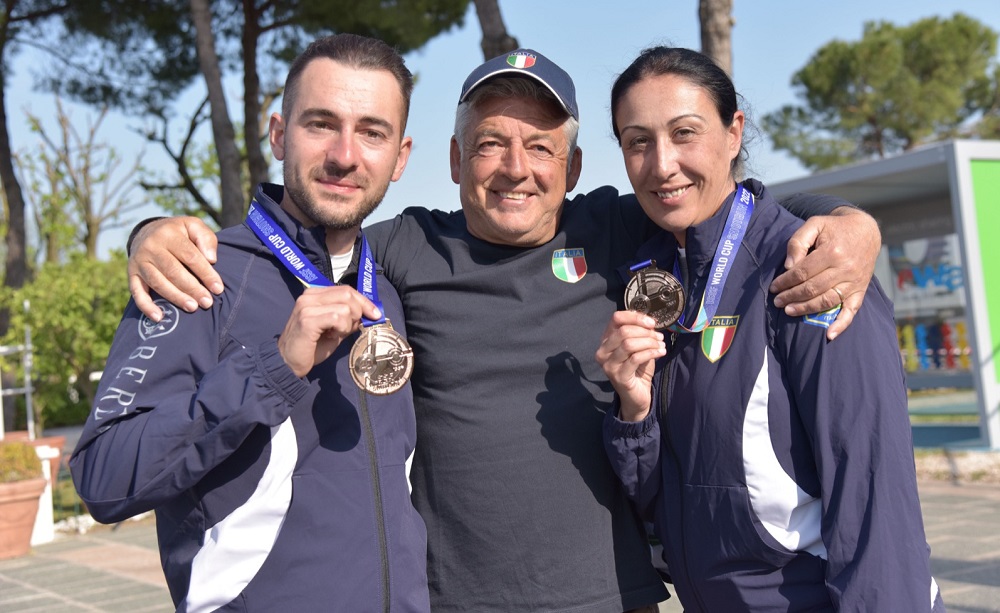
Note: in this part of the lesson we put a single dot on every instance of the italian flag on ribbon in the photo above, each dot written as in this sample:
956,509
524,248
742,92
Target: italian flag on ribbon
521,60
569,265
718,336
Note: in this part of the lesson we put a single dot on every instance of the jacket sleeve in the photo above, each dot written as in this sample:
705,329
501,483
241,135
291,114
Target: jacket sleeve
168,410
634,451
804,205
851,397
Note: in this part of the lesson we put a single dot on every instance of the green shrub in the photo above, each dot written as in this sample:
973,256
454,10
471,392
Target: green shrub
18,462
66,502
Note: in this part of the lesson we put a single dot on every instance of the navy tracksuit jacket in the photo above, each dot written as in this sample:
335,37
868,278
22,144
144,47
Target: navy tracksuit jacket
777,466
271,492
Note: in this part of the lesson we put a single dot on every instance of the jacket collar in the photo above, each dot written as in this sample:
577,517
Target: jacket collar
312,241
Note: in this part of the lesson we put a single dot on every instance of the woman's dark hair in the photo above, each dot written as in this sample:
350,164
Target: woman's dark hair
697,68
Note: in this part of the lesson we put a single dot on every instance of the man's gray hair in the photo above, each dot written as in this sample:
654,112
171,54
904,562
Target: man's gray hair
512,87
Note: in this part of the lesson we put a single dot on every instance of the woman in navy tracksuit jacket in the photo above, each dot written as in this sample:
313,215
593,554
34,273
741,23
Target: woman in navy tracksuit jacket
776,466
271,492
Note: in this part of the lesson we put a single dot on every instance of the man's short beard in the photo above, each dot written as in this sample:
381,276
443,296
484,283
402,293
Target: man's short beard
328,218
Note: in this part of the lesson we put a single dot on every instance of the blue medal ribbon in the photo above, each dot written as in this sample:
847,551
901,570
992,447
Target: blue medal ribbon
289,254
641,265
725,253
284,248
367,285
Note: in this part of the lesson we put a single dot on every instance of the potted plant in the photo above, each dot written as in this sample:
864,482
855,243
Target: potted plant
57,442
21,485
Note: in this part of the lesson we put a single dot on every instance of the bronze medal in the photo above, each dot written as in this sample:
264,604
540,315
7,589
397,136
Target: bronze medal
381,360
656,293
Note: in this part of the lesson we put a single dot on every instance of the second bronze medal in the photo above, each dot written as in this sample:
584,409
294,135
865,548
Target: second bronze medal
656,293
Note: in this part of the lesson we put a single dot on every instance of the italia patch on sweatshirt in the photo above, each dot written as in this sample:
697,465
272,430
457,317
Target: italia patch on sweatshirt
717,337
569,265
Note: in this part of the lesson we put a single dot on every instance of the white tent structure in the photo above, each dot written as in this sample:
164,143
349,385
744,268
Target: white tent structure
939,210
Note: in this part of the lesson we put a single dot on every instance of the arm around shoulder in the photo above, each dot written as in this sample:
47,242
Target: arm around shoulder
831,259
173,256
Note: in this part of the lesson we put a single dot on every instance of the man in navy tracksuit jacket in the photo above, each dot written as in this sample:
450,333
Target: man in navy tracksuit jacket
271,492
777,466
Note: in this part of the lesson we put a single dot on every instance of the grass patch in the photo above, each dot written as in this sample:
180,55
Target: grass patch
944,418
65,501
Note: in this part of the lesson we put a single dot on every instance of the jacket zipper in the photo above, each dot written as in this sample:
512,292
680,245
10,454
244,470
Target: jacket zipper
377,487
383,548
666,387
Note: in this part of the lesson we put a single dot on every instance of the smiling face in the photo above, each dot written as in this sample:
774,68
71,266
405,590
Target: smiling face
678,153
514,168
341,143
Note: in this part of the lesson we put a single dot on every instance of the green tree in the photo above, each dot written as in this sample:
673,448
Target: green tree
715,18
75,308
496,38
19,21
146,51
896,88
223,134
80,186
184,189
47,199
985,97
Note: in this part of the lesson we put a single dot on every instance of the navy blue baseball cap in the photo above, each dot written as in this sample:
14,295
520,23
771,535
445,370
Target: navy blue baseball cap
526,63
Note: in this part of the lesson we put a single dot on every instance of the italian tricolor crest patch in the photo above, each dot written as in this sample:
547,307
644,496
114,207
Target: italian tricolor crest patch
569,265
521,60
718,336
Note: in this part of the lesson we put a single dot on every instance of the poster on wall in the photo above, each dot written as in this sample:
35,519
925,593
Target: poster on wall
924,279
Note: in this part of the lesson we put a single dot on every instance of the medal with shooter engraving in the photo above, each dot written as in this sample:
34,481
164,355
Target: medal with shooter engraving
381,360
656,293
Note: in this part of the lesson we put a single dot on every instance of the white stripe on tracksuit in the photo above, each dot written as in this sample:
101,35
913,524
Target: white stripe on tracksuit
235,548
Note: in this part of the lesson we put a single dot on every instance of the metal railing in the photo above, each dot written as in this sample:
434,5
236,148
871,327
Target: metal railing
27,361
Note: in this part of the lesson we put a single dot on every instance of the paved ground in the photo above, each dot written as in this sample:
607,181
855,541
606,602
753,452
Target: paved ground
962,524
118,569
103,570
962,528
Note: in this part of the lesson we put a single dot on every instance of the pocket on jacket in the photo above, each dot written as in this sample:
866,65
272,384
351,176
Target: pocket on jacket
730,536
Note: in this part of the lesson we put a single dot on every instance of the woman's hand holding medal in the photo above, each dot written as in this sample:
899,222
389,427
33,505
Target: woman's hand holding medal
629,346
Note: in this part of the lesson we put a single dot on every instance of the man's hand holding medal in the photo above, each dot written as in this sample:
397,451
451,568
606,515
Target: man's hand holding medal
322,318
325,314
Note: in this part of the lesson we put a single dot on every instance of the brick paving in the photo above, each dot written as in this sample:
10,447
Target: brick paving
108,569
117,569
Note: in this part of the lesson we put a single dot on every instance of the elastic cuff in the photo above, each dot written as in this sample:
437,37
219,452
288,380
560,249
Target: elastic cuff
629,429
278,374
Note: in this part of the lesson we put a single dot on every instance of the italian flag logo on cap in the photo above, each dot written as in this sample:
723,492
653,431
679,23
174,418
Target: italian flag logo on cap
521,60
718,336
569,265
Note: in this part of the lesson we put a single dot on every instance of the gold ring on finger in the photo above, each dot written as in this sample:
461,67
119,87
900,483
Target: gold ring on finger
839,294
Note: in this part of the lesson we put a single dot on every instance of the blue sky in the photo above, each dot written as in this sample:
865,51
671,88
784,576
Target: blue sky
593,41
